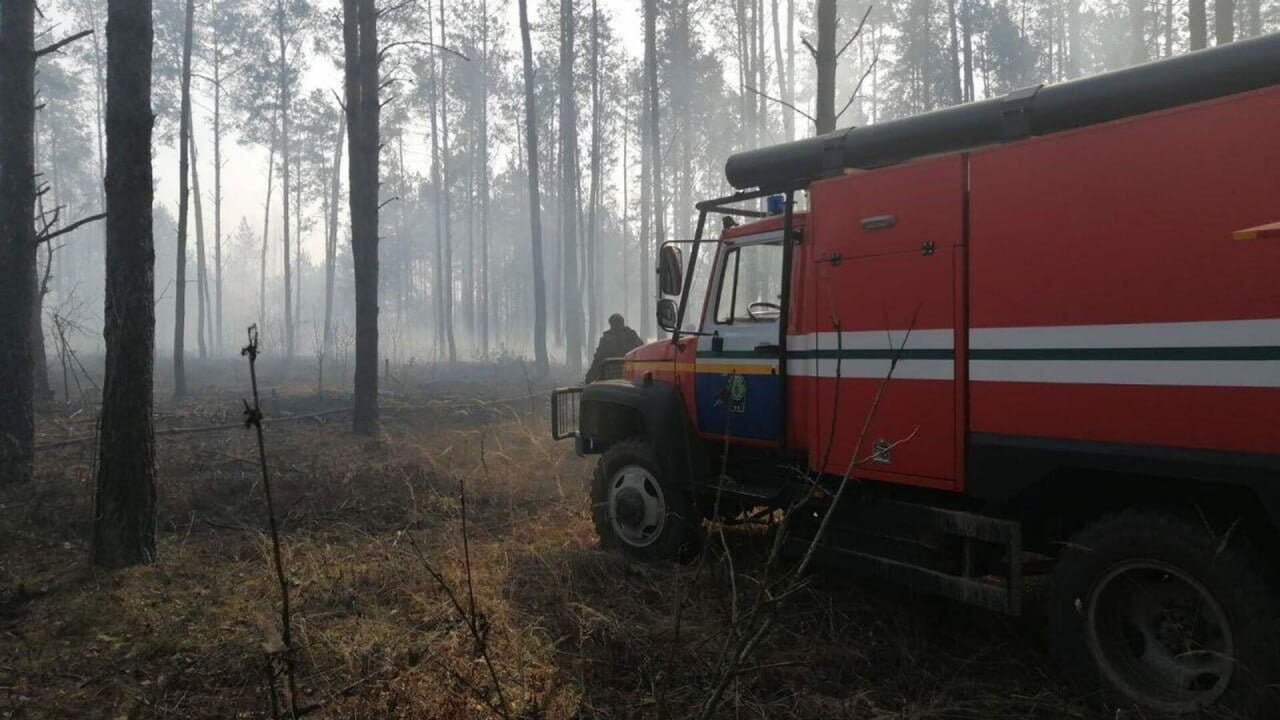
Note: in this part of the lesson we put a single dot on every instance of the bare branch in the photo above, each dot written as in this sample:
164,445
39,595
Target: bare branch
856,32
812,50
48,218
62,43
780,102
396,8
424,43
858,88
48,269
47,236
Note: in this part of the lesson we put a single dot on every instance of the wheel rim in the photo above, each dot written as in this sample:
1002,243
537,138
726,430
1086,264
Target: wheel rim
1159,636
637,508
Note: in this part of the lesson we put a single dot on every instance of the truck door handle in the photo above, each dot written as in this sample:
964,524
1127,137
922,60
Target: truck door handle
769,348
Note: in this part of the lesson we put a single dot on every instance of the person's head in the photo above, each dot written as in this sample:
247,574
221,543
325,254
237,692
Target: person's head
616,322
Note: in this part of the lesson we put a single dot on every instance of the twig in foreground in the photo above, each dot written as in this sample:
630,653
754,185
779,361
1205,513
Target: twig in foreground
503,709
253,418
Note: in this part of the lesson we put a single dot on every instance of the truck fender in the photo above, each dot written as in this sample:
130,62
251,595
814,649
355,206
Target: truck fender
615,410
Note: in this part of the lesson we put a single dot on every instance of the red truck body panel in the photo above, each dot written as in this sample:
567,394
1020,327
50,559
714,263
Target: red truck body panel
1120,235
1115,284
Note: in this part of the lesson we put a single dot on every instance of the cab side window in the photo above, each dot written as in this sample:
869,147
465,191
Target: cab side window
728,282
750,284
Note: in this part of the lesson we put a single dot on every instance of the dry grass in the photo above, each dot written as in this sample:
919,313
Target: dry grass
575,632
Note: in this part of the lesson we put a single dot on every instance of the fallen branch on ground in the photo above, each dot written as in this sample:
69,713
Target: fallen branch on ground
200,429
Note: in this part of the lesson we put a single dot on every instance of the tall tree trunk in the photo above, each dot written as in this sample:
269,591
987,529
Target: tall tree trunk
953,52
568,193
217,193
1073,37
1196,24
655,138
1254,18
124,519
647,314
203,318
484,180
790,123
1224,21
876,33
184,196
762,74
535,202
1137,31
594,293
43,392
283,79
780,64
786,77
469,291
266,224
360,41
966,28
17,239
746,76
626,208
1168,28
100,90
437,267
825,58
331,238
447,209
683,115
297,242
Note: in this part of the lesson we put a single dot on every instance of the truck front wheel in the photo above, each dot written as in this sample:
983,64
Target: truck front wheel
1152,610
637,507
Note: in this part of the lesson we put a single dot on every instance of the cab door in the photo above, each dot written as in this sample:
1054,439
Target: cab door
738,386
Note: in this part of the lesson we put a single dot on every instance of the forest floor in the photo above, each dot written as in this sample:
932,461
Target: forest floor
573,631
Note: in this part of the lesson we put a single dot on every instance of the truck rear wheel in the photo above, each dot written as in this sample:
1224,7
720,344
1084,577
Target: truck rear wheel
1152,610
638,508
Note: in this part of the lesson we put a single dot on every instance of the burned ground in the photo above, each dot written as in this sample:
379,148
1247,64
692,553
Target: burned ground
574,631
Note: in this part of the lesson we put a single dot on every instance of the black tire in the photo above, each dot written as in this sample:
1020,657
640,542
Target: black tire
1151,610
674,529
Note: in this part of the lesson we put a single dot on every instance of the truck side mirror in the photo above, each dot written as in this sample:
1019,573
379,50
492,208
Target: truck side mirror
670,270
667,314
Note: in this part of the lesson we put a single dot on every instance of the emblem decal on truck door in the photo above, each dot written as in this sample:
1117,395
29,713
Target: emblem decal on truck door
737,386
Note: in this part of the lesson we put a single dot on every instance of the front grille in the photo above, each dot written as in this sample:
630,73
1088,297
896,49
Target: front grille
564,412
613,368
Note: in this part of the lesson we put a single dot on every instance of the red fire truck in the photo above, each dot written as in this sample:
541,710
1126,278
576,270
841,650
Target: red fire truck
1047,324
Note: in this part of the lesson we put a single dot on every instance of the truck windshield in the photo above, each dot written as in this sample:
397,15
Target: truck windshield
696,292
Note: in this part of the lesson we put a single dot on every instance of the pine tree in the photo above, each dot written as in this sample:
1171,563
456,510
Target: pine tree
124,521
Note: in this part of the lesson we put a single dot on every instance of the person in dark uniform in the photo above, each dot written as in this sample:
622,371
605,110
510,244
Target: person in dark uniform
617,341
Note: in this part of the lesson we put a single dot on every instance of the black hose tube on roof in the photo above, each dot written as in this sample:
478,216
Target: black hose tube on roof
1181,80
